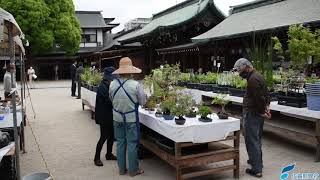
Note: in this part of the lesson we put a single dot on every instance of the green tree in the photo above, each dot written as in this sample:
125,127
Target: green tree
46,23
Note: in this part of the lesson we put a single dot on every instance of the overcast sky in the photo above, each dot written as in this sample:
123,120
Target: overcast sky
125,10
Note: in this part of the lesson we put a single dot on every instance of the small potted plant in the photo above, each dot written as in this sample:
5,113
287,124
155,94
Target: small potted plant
192,113
204,111
158,113
167,106
150,105
179,111
220,100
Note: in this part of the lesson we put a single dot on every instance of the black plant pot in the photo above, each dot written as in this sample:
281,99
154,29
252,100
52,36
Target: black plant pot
168,116
191,115
158,115
95,88
205,119
236,92
222,89
182,83
193,85
222,115
180,120
292,99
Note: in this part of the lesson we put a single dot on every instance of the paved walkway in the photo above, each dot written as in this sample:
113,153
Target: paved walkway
67,138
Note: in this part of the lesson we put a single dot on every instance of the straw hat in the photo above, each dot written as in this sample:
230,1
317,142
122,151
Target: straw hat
126,67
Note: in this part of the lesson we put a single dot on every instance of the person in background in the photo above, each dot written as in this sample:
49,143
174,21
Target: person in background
79,71
104,117
73,69
56,72
255,110
8,86
126,95
31,74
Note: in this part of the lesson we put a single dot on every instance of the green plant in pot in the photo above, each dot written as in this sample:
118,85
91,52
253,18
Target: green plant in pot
179,111
168,106
220,100
150,105
190,104
204,111
159,113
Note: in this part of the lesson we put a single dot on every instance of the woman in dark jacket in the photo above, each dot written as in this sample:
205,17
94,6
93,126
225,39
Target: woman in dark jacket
104,118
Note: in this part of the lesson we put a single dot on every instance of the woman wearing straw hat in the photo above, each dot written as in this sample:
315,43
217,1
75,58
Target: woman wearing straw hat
126,95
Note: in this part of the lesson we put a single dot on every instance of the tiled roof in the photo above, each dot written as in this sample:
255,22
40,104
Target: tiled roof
264,15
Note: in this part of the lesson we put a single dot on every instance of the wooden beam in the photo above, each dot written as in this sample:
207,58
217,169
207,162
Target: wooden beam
207,172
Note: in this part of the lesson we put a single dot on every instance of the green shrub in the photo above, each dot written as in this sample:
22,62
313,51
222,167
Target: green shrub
204,111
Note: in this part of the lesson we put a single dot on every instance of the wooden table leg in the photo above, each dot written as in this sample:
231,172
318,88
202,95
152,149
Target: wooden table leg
177,154
318,141
178,173
236,161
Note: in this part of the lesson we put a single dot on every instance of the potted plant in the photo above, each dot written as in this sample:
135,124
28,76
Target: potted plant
159,113
96,78
288,90
238,86
220,100
204,111
150,105
179,111
167,107
192,113
85,77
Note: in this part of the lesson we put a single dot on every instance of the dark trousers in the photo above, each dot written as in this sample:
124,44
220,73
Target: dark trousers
253,129
73,87
79,89
106,134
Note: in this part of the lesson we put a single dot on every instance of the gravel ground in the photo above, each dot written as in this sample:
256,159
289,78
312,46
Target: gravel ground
67,138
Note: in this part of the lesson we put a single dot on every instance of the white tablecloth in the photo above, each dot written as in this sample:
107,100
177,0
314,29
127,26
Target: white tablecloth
302,113
5,150
7,122
89,96
193,130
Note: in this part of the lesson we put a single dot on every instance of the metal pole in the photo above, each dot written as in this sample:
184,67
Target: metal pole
22,101
13,99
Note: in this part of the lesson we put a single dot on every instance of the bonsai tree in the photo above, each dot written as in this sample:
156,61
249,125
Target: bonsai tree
204,111
96,78
220,100
85,76
179,111
150,104
168,105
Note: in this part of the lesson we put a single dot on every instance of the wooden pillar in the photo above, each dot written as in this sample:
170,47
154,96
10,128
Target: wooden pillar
177,157
236,161
184,63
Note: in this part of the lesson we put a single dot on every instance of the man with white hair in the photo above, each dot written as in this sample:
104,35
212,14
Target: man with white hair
255,110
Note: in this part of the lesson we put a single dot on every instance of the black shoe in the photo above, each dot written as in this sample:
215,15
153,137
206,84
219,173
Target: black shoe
111,157
73,95
98,162
78,98
254,173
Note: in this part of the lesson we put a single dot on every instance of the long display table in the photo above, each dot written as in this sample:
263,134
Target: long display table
188,137
289,129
